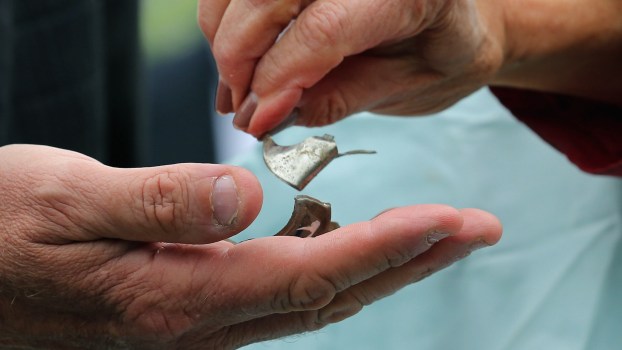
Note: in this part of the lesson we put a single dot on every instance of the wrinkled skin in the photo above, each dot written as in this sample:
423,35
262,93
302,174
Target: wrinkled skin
398,57
81,266
316,62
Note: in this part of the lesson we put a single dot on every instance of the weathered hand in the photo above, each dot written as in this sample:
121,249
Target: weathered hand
81,266
399,57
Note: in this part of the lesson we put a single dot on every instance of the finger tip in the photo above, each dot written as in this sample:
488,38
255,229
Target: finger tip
483,224
228,199
223,99
274,112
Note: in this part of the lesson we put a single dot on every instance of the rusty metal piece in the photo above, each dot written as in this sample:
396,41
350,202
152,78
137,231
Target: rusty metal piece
298,164
310,218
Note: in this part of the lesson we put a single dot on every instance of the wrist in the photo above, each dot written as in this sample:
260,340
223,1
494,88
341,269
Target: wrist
566,46
492,18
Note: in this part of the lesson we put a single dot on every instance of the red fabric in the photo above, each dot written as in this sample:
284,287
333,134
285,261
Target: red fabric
589,133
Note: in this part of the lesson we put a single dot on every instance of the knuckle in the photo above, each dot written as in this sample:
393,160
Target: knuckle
360,300
311,321
221,52
334,107
308,293
164,197
322,26
426,272
488,61
345,305
327,107
270,76
230,60
224,54
396,258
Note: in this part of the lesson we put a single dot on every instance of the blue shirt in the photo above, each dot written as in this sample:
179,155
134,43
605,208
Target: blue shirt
554,281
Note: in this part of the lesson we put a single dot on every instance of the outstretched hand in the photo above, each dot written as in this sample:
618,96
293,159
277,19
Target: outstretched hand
102,257
316,62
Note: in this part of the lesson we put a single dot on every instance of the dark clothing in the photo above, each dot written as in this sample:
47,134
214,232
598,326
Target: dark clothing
589,133
69,73
180,95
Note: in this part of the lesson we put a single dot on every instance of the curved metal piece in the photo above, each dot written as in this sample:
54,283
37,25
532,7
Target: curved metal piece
298,164
310,218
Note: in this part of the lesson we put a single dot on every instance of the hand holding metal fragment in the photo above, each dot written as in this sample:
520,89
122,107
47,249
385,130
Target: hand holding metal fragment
298,164
310,218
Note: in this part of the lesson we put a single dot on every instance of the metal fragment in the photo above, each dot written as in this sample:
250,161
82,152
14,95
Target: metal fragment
310,218
298,164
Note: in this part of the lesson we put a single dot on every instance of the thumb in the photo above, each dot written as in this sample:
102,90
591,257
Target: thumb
183,203
56,195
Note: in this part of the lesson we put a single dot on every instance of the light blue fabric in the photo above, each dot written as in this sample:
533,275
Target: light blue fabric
553,282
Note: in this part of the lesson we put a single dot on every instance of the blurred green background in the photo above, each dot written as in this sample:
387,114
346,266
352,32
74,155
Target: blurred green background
180,82
168,28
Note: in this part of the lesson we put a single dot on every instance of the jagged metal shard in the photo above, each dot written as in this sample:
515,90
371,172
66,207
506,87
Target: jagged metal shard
310,218
298,164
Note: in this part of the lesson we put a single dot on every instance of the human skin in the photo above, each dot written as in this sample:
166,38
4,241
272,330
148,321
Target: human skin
99,257
403,57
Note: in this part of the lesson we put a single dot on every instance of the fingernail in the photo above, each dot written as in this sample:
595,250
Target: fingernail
435,236
286,123
242,118
225,200
224,102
